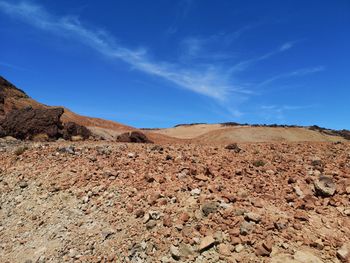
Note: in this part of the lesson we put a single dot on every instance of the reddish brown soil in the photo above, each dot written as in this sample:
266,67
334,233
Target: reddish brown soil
115,202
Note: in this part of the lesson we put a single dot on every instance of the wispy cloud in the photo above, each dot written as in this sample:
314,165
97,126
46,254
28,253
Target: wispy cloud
246,63
210,80
296,73
278,112
213,76
216,47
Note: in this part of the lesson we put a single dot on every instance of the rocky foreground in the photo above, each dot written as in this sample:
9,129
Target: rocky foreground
118,202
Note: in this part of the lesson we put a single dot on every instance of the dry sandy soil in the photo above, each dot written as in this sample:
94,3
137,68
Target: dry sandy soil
217,133
116,202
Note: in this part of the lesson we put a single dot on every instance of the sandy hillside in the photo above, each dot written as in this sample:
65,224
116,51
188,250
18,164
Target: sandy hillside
217,133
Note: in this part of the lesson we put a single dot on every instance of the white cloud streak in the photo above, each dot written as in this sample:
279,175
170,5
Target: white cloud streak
246,63
277,112
210,80
296,73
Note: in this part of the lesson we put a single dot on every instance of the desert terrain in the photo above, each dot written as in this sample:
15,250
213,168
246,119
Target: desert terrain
81,189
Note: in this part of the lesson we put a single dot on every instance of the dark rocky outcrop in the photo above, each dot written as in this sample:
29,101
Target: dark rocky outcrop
72,129
23,118
134,136
2,132
27,122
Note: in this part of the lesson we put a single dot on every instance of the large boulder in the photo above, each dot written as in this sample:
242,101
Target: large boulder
72,129
27,122
134,136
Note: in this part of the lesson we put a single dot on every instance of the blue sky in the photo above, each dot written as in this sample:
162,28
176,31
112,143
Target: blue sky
163,62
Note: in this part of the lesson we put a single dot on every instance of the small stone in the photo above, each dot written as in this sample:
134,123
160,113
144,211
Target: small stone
233,147
106,234
186,250
151,224
209,207
184,217
324,186
224,249
343,253
246,228
68,149
179,227
175,253
252,217
196,191
298,191
201,177
167,221
23,184
347,190
139,213
131,155
168,157
262,251
267,244
239,248
206,243
73,253
235,240
317,244
155,215
301,215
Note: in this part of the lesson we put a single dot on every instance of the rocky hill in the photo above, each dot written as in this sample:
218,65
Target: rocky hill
25,118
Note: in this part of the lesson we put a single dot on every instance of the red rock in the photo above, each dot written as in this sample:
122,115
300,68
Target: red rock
167,221
300,215
184,217
262,251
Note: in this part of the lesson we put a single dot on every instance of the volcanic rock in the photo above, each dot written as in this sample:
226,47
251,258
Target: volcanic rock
175,253
233,147
224,249
28,122
206,243
2,132
344,253
209,207
252,217
72,129
324,186
134,137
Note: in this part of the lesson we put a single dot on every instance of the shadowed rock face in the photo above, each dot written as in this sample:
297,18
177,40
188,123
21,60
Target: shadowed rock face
134,136
28,122
2,132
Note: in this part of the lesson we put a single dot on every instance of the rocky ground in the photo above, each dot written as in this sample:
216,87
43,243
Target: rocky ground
118,202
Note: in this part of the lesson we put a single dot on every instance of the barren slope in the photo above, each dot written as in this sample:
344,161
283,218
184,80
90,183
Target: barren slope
217,133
